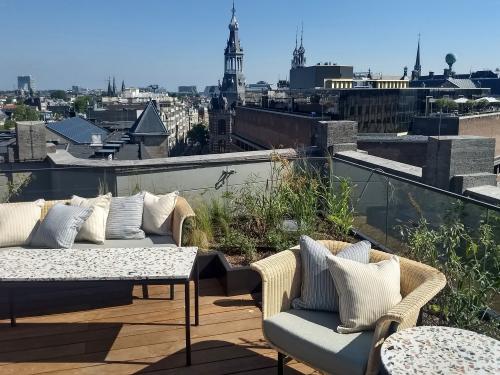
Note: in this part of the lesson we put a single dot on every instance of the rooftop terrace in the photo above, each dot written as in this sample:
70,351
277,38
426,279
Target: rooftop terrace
144,337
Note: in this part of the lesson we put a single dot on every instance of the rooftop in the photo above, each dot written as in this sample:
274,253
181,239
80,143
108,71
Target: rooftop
77,130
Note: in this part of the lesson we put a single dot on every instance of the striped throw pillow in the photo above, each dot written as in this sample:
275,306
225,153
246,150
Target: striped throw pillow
125,218
18,222
94,228
60,226
318,288
366,291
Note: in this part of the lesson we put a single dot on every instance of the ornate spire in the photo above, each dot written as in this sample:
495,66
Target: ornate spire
295,51
301,58
114,86
234,21
123,85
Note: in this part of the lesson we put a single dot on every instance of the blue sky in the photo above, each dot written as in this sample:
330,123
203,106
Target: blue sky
64,42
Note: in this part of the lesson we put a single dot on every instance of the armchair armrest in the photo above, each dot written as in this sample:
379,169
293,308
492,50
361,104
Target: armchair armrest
405,313
281,281
182,211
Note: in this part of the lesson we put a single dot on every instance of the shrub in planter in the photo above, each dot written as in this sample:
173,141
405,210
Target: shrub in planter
471,264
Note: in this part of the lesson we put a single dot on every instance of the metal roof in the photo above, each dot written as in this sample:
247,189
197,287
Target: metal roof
149,122
77,130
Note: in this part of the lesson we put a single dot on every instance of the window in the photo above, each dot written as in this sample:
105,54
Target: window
221,127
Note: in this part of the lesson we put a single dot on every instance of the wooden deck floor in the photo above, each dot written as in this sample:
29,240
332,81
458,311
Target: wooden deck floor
144,337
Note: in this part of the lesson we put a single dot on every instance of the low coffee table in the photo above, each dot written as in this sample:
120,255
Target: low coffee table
26,268
440,350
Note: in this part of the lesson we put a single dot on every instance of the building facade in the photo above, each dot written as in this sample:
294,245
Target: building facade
26,83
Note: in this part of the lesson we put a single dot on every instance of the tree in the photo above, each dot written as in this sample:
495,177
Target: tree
481,105
445,105
58,94
198,134
81,104
25,113
468,105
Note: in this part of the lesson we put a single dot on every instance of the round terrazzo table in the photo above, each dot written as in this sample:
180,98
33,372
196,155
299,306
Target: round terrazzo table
440,350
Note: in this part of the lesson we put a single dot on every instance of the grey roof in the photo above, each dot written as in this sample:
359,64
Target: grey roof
149,122
77,130
462,83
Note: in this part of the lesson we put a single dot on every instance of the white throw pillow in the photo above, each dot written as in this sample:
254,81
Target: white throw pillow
18,222
157,214
94,228
366,291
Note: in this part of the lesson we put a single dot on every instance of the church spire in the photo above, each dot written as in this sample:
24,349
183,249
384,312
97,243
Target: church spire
417,69
123,86
301,57
114,86
109,93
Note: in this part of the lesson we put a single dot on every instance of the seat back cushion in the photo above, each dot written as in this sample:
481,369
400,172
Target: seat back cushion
125,218
366,291
94,228
18,222
60,226
158,210
318,289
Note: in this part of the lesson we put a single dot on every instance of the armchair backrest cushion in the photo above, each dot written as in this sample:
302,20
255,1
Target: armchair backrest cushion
318,287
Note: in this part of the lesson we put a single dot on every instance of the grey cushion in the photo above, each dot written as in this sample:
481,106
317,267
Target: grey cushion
311,337
60,227
318,288
125,218
149,241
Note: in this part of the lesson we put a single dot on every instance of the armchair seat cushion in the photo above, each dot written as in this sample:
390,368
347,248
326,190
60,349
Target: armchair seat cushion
311,337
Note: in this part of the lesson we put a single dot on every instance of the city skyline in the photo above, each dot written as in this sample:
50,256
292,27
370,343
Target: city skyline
171,43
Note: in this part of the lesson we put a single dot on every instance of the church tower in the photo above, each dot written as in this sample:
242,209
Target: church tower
301,52
233,83
417,69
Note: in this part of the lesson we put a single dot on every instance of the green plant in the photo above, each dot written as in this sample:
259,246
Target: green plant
237,242
339,211
470,261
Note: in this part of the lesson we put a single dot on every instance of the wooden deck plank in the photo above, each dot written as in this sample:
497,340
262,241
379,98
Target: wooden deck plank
144,337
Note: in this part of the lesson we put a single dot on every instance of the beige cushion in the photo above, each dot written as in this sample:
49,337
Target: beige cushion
94,228
157,214
18,222
366,291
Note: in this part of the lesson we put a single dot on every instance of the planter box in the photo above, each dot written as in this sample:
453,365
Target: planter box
234,280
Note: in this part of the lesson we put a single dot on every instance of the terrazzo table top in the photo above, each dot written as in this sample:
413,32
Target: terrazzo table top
440,350
96,264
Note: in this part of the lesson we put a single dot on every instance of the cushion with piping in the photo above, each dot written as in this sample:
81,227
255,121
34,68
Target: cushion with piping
18,222
125,218
366,291
318,288
94,228
157,214
60,226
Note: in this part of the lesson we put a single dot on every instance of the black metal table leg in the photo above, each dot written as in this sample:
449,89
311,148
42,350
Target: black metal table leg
172,292
145,292
188,323
12,312
196,294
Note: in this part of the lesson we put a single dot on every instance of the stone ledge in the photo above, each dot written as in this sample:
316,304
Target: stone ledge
62,158
486,193
399,169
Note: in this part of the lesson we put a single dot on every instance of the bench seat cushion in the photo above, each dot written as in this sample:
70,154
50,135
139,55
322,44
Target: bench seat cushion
149,241
311,337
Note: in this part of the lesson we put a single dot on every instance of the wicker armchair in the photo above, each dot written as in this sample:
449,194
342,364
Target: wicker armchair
281,283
